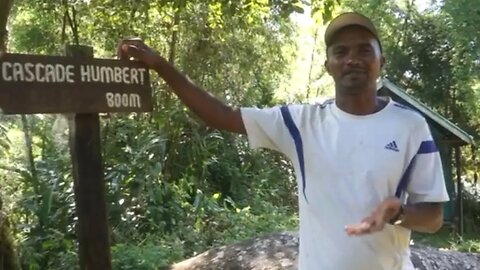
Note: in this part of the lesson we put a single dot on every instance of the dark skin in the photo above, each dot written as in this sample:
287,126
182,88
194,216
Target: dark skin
354,61
211,110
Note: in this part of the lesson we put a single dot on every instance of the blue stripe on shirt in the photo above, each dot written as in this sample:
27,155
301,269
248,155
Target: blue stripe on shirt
402,185
427,147
297,139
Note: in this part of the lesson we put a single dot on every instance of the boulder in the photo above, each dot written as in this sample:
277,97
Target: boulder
280,250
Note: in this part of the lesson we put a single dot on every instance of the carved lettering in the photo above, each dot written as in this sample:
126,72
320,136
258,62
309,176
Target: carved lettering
84,74
117,100
29,76
58,73
6,66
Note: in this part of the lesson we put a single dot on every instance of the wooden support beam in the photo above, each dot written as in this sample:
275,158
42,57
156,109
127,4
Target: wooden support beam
458,171
89,186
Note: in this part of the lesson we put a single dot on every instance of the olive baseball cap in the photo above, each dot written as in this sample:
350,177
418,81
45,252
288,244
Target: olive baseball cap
349,19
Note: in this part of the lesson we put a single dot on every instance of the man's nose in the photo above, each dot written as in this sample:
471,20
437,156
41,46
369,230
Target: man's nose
352,59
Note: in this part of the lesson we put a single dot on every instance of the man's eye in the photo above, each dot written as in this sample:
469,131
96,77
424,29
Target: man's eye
366,50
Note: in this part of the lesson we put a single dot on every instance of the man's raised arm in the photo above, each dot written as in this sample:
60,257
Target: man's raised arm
211,110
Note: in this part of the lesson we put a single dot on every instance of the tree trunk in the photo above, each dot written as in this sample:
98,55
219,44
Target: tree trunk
312,62
165,97
8,257
29,153
5,7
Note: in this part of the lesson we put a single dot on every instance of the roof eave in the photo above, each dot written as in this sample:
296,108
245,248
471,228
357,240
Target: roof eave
439,119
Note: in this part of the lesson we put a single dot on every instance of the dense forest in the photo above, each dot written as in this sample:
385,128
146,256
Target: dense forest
175,187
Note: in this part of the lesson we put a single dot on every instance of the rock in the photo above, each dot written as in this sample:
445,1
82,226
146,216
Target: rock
279,251
428,258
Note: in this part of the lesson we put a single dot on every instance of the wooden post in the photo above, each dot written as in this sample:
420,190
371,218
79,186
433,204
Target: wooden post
89,185
476,165
459,189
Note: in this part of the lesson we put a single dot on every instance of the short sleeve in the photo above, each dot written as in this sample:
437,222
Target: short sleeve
266,129
427,181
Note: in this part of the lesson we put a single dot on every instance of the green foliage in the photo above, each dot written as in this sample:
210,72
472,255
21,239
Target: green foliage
175,187
471,206
47,226
199,229
149,254
8,258
4,141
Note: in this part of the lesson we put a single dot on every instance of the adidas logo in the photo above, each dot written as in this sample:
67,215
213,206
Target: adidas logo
392,146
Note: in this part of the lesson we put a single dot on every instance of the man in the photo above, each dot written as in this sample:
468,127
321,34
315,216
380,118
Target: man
368,170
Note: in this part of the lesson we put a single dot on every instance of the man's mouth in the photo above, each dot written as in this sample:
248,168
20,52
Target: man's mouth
354,73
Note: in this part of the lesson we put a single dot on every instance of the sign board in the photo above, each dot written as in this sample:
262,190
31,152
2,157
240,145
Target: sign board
61,84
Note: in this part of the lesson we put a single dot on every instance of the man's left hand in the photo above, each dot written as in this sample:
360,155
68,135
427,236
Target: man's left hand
384,212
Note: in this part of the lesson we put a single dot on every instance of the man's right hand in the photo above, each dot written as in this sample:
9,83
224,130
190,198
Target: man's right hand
135,48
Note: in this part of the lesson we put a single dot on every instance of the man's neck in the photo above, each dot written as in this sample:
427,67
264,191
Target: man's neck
361,103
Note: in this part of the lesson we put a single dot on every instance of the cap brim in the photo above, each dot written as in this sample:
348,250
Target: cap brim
348,19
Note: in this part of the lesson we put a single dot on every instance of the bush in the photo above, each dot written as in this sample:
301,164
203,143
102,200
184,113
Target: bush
471,208
150,254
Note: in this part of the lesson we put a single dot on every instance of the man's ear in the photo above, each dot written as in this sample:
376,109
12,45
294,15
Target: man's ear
327,67
382,61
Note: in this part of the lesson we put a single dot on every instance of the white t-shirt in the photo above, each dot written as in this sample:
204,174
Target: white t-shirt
345,166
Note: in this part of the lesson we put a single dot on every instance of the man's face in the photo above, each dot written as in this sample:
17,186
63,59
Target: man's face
354,59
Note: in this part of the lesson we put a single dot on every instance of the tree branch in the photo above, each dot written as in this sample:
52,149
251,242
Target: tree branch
11,169
5,7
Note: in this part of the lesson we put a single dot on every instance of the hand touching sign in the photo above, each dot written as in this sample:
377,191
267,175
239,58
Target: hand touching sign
137,49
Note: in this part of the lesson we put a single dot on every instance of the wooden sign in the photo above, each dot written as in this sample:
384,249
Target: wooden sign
60,84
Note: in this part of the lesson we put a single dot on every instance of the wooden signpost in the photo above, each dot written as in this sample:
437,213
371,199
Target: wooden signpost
79,84
59,84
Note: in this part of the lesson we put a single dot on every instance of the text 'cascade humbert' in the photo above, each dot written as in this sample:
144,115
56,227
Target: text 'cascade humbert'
58,73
